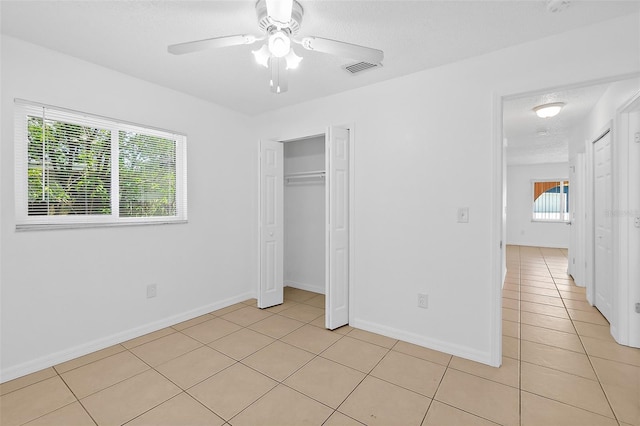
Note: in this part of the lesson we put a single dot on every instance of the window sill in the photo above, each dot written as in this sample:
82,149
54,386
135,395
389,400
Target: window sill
26,227
550,221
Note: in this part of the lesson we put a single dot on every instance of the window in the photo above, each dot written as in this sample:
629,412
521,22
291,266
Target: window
75,169
551,201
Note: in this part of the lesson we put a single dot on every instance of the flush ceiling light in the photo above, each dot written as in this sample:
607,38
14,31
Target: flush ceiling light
548,110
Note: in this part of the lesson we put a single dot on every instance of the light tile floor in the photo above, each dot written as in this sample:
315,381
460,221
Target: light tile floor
245,366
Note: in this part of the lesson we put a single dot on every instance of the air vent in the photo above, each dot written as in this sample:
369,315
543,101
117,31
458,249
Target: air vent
360,66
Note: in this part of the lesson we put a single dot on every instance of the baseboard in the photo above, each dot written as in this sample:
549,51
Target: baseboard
416,339
303,286
98,344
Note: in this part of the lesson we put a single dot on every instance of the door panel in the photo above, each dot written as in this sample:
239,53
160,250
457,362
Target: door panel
271,224
337,286
573,235
603,203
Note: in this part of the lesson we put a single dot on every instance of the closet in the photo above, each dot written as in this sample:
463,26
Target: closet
304,214
305,191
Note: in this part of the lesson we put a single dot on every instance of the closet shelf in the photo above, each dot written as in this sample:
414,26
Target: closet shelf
304,176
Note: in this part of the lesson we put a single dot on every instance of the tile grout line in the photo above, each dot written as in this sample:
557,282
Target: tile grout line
585,349
519,338
281,382
588,357
77,400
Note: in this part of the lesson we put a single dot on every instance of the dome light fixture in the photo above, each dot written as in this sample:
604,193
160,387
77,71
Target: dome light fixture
279,43
548,110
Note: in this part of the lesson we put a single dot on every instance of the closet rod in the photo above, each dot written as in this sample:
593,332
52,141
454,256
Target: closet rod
305,175
315,173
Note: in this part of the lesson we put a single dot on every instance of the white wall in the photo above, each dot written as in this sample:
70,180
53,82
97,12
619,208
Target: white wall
602,113
69,292
521,230
425,144
304,217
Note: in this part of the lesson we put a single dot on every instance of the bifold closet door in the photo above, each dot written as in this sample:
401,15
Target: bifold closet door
271,224
337,249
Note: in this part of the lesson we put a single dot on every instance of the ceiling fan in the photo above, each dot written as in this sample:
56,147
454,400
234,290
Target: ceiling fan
280,22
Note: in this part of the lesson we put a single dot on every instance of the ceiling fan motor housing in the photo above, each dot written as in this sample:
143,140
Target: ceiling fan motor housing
266,24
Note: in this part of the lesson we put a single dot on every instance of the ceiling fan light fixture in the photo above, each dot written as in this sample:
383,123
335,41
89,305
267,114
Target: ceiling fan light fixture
548,110
262,56
279,44
293,60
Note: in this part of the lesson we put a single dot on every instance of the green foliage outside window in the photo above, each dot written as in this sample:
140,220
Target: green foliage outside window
147,175
69,171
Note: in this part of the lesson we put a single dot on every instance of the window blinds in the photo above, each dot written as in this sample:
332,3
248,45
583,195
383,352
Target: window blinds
77,169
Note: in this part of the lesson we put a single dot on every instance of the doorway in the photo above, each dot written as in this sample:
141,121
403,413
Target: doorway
304,214
305,200
604,202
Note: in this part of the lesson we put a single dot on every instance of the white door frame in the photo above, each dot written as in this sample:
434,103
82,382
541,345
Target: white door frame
576,248
498,230
305,135
626,330
625,327
497,245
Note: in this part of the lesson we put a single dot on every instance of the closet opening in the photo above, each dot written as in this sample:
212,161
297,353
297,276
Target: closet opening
304,214
305,221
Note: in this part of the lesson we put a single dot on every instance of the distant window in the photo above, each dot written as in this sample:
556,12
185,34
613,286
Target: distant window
551,201
75,169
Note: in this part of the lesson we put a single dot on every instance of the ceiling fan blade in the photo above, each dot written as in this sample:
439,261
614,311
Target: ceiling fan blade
346,50
279,82
280,10
211,43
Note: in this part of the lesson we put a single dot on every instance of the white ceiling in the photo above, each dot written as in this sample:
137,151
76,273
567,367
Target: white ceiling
132,36
534,140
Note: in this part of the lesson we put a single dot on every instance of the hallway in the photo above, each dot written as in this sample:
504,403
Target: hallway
571,369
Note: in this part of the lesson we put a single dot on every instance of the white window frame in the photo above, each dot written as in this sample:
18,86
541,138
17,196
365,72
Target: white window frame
24,222
563,203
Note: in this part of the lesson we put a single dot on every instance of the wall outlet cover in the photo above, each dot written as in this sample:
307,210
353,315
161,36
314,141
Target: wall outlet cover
152,291
463,214
423,300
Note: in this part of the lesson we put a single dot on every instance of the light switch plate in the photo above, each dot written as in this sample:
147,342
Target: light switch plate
463,214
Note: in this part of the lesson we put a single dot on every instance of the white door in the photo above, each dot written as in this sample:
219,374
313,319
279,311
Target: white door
602,210
337,246
578,219
573,231
271,224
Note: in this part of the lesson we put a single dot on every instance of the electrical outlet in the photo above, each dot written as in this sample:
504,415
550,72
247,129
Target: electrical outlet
636,222
152,291
638,308
423,301
463,214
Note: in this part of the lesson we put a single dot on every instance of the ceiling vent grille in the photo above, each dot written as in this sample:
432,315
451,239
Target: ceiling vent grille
360,66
